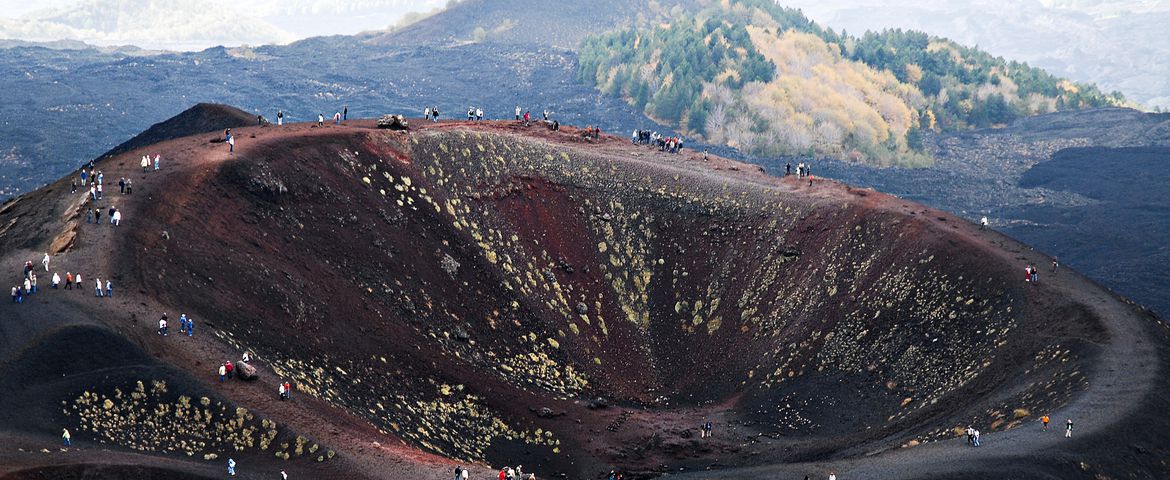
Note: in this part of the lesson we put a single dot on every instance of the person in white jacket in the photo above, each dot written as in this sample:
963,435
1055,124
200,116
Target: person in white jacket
117,218
97,291
56,280
45,261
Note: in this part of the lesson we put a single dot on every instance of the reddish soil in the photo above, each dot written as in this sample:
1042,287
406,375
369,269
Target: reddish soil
526,274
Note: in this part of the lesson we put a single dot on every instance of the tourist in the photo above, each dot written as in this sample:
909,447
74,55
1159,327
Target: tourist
977,442
45,261
517,112
157,158
983,223
116,218
66,438
230,368
231,145
109,289
345,112
32,279
97,291
320,119
279,117
426,113
129,186
280,391
162,325
145,163
68,281
1044,420
122,185
56,281
231,467
77,280
183,323
190,327
1068,426
222,373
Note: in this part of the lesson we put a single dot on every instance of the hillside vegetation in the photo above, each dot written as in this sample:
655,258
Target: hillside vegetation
766,80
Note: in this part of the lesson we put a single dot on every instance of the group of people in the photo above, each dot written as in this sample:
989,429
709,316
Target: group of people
508,473
146,162
94,216
28,286
1031,274
671,144
706,429
474,113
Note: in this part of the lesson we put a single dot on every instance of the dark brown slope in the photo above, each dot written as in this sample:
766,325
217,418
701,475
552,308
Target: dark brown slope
467,290
201,118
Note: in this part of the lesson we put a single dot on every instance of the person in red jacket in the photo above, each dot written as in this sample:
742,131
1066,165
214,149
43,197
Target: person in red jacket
227,367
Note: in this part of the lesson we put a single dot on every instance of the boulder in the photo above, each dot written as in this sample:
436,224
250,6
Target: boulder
245,371
393,122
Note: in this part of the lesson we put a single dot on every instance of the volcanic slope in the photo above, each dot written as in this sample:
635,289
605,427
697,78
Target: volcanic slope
495,294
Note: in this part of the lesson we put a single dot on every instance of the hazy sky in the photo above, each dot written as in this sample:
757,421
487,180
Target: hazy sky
197,24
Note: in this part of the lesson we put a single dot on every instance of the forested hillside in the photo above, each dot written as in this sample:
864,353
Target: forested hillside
766,80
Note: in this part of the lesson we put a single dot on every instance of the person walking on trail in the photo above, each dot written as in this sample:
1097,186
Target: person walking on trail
27,287
1044,420
983,223
230,368
970,435
77,281
122,185
32,280
1055,265
978,443
183,323
100,194
15,294
157,158
145,163
231,467
434,114
231,145
345,112
479,114
97,291
116,218
45,261
66,438
287,390
832,475
68,281
56,281
337,118
109,289
426,113
1068,426
283,476
222,373
320,119
162,326
280,391
190,327
279,117
517,112
129,186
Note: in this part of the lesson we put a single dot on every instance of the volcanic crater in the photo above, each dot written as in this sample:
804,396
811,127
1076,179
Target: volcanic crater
490,294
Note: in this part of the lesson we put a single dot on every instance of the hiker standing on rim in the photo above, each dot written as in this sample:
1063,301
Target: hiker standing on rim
517,112
279,117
